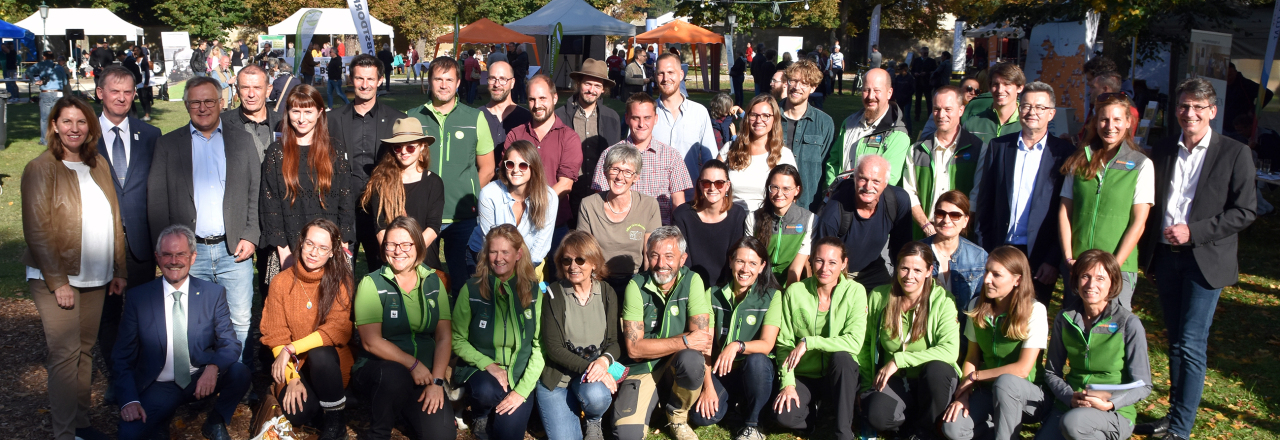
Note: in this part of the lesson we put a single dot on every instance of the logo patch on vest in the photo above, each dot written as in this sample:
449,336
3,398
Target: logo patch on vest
1113,327
965,156
431,302
1130,165
751,319
675,310
875,141
528,314
484,324
458,134
395,314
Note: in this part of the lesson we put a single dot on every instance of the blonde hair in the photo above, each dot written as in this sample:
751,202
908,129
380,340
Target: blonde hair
525,273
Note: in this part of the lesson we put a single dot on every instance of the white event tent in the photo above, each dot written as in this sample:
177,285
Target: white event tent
333,21
576,18
94,21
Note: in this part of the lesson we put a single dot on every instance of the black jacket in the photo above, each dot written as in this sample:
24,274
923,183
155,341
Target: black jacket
198,61
997,188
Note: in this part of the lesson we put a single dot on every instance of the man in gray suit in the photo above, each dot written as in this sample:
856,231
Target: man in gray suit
207,178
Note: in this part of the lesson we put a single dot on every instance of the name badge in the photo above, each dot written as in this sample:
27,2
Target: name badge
395,314
484,324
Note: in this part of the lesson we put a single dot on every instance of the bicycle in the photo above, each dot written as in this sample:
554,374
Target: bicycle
859,77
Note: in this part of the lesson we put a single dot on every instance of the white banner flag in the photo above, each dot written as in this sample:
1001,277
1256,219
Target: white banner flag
958,60
873,38
364,25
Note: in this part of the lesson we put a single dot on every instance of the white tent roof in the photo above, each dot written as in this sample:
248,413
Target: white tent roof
99,21
576,17
991,29
333,21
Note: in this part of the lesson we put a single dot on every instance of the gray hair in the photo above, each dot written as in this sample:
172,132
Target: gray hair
667,233
200,81
1199,88
866,159
626,154
1038,87
178,229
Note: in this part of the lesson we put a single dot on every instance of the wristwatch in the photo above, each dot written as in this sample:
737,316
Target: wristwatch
438,381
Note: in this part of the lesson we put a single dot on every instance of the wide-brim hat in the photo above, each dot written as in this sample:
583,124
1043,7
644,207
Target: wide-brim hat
595,69
408,130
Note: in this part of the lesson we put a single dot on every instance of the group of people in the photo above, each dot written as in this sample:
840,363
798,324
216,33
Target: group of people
600,265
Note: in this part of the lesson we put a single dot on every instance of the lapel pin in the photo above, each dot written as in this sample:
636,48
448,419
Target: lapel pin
135,136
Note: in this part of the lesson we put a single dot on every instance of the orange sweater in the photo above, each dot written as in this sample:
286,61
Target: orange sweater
286,319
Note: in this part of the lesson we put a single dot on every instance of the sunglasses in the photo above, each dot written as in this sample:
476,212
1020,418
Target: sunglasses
954,215
511,165
566,261
407,148
707,184
971,89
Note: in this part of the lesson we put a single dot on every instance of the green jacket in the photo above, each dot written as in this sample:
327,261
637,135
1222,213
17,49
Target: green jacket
816,131
889,138
941,341
1099,218
986,126
663,316
961,169
408,320
1111,351
461,135
498,330
740,321
790,232
978,104
844,329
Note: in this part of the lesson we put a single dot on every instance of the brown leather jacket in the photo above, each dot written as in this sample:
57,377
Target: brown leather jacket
51,218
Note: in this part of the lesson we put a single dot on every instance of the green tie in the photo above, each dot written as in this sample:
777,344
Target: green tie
181,356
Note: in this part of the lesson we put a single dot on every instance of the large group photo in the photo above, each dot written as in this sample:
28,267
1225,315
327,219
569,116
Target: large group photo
635,219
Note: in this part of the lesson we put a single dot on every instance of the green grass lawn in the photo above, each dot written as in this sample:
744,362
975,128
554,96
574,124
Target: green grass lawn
1240,391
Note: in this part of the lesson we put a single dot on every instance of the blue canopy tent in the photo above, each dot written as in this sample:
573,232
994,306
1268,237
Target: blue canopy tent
24,37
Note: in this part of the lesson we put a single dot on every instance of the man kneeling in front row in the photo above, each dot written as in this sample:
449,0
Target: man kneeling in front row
176,345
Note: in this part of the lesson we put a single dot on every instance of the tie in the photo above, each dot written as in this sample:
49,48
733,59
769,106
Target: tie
119,161
181,356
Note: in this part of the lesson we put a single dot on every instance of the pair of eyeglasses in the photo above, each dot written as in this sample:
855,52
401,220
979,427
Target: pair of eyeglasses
707,184
512,165
501,81
1187,108
626,174
1109,96
309,245
566,261
783,189
403,247
1035,109
406,148
760,116
955,216
194,105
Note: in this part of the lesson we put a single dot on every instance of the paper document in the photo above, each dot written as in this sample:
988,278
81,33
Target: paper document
1118,387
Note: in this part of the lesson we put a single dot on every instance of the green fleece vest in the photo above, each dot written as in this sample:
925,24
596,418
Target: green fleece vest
663,317
454,157
396,327
1095,355
1098,219
998,350
741,321
485,317
960,169
788,237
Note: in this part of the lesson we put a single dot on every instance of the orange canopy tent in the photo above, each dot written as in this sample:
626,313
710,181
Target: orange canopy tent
485,31
678,31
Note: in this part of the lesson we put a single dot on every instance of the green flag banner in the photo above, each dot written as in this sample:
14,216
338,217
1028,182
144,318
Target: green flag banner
306,28
557,35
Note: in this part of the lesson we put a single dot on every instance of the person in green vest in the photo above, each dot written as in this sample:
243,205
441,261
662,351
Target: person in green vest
941,163
666,325
912,343
403,317
1002,116
823,320
1108,193
1104,344
1007,330
784,226
746,327
496,337
462,156
878,129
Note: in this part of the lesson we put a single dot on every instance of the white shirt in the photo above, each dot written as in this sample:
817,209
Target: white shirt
166,373
1037,329
691,135
109,136
1026,167
1186,177
855,134
97,236
749,183
942,156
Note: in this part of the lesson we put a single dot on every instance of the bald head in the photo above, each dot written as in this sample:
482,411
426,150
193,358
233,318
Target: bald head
876,93
874,165
501,80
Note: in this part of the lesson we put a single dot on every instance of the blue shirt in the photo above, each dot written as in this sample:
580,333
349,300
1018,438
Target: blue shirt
691,135
209,180
495,209
1026,167
50,74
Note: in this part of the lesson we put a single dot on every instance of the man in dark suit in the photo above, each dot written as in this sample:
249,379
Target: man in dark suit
1190,245
127,145
1018,195
253,85
176,346
598,126
217,199
387,58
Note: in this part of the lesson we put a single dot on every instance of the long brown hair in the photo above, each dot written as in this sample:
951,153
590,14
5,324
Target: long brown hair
320,154
764,218
337,282
1022,299
536,193
385,182
739,156
1080,163
525,273
898,297
89,149
700,201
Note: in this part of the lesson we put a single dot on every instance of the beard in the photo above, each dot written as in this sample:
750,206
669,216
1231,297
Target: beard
502,96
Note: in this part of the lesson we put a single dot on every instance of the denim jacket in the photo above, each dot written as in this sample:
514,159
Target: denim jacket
968,265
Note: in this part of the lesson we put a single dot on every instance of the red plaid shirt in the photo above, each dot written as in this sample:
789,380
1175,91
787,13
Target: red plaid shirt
662,175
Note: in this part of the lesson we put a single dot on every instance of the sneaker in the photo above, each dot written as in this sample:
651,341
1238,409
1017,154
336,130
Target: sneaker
866,432
480,427
682,431
749,433
595,432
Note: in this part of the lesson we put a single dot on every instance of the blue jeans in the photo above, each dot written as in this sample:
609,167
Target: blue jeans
335,87
47,99
560,407
11,86
752,382
454,237
215,264
486,393
1188,303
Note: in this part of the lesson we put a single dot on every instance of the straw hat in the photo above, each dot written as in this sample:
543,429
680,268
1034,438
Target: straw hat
595,69
408,130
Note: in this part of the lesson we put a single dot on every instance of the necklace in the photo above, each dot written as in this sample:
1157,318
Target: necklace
610,206
304,290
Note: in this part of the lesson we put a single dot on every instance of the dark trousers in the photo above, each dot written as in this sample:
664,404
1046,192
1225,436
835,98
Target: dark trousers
752,384
838,77
518,94
140,272
322,377
484,393
905,106
1044,292
838,388
737,89
161,399
1188,303
391,393
921,399
925,92
455,237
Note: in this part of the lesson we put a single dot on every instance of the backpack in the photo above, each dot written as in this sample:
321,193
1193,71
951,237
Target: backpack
846,215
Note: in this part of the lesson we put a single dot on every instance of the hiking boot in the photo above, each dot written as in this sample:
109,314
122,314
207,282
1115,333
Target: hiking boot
593,431
335,425
682,431
480,427
749,433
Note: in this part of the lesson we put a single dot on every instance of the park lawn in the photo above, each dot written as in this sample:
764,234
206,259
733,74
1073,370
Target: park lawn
1240,390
